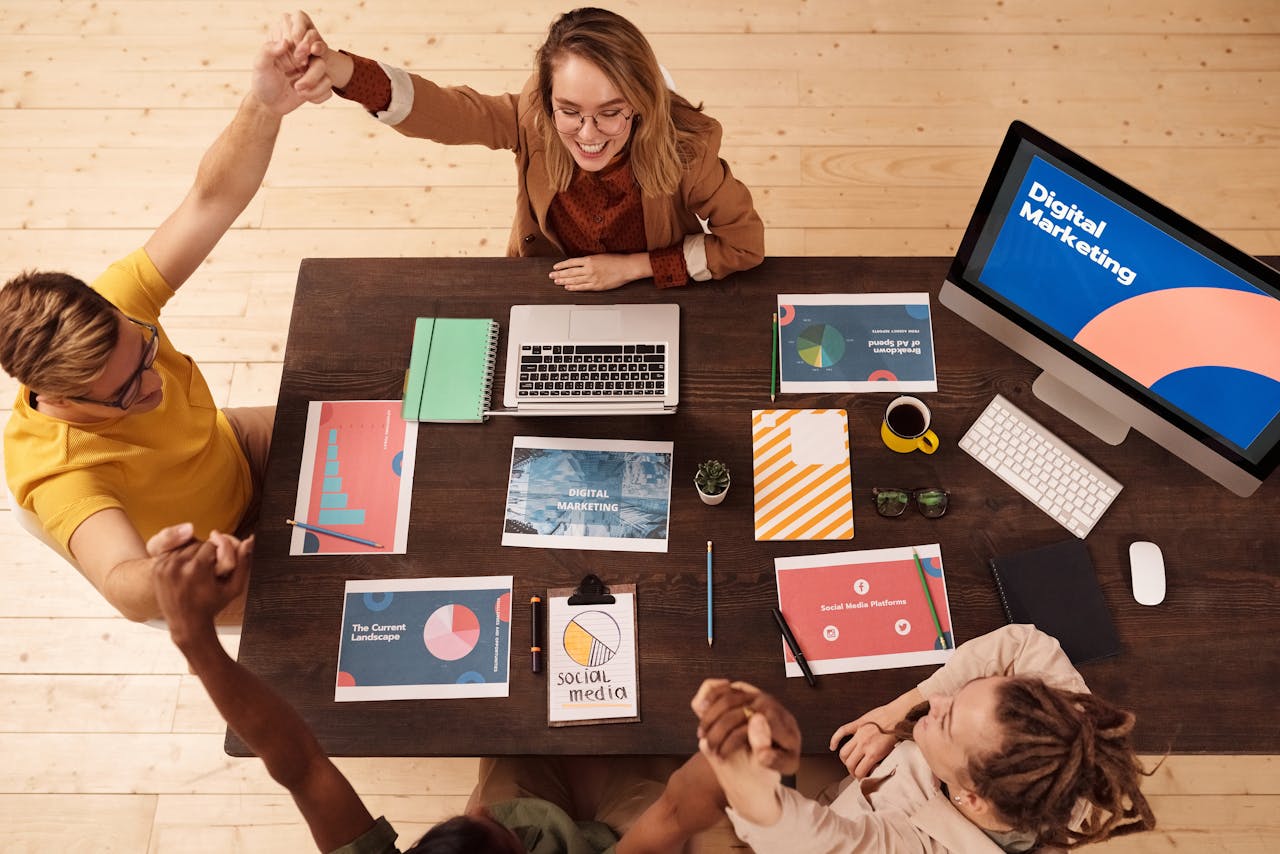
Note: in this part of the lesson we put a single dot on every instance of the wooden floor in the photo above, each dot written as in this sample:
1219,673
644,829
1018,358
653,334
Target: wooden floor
862,126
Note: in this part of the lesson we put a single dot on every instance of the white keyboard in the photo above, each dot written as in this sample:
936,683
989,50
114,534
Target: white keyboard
1044,469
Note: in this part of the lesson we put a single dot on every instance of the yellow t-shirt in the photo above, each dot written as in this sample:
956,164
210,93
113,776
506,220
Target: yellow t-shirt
180,462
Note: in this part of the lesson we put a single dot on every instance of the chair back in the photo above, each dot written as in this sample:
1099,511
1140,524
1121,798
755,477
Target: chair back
30,523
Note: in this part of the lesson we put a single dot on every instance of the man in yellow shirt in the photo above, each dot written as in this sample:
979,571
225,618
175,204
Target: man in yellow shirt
115,434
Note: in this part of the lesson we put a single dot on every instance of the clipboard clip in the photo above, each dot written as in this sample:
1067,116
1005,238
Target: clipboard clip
591,591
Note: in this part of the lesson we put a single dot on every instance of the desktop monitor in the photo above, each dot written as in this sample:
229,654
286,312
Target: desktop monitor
1138,317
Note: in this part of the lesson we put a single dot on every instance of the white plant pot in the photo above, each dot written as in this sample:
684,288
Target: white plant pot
713,499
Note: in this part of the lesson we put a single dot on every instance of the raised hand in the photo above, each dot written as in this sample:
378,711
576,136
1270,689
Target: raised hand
275,75
725,713
231,552
311,54
196,580
749,785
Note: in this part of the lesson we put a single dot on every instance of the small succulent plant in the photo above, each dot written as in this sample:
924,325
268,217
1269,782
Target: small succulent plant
712,477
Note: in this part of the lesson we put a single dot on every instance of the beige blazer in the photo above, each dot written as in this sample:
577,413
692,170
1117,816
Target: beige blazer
900,809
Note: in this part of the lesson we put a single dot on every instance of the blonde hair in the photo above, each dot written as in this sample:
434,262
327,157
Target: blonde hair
665,130
56,333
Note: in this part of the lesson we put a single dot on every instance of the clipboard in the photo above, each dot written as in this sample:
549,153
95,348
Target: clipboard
593,672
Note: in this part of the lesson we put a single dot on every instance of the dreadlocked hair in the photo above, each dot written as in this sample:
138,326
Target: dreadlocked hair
1061,748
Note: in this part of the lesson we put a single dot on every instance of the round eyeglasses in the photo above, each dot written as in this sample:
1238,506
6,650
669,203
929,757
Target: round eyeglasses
608,122
930,501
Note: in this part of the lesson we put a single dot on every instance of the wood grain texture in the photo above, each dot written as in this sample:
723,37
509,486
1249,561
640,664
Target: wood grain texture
289,637
107,106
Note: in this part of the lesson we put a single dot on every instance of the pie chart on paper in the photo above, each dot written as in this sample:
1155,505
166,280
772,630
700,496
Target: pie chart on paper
820,345
451,632
592,638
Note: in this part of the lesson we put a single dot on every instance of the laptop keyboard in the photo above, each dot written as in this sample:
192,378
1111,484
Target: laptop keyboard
628,371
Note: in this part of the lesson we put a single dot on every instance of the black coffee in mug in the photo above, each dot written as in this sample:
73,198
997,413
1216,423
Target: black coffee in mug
906,420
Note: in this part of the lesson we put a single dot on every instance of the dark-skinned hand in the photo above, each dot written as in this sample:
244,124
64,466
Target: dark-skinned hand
724,709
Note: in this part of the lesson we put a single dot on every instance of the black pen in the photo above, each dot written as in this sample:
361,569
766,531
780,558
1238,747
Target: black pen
794,647
535,646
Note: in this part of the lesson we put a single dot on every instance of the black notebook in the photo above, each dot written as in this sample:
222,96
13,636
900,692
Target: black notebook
1055,588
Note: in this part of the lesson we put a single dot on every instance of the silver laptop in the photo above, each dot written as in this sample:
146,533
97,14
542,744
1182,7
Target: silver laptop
593,360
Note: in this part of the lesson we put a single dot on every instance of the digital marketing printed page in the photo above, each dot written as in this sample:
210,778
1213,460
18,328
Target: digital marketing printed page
1174,321
588,494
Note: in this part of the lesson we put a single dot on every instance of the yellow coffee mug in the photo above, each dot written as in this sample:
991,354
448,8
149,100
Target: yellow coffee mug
906,426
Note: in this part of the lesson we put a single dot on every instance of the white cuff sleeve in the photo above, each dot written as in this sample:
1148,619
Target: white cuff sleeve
695,257
401,96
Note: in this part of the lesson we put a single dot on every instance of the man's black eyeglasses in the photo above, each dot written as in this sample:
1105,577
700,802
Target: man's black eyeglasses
128,394
930,501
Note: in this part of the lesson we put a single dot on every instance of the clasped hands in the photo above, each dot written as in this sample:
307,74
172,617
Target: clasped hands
194,579
750,740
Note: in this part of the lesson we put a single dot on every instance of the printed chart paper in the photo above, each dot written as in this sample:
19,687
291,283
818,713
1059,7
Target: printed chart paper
800,470
855,343
356,477
588,494
864,610
425,639
593,673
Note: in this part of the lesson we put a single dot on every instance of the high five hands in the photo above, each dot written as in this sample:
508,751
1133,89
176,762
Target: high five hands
288,71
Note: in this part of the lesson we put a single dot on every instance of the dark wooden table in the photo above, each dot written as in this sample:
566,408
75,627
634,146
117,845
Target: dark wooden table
1200,670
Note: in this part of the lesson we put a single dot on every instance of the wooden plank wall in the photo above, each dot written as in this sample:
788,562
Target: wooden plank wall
862,127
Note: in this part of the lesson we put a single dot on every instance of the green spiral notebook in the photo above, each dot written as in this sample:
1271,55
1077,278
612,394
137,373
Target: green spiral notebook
451,366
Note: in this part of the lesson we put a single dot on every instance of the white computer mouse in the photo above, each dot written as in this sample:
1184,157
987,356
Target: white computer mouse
1146,565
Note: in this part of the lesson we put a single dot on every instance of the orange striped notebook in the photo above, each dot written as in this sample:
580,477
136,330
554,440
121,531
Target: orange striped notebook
800,464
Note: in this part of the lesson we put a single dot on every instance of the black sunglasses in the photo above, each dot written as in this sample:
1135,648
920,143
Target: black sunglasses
930,501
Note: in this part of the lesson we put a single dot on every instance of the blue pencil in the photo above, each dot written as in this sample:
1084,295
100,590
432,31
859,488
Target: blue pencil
318,530
710,633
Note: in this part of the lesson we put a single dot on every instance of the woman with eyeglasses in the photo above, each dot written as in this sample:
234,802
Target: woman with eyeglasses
1003,749
615,171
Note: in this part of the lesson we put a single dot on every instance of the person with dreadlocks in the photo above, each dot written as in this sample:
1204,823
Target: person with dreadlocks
1001,750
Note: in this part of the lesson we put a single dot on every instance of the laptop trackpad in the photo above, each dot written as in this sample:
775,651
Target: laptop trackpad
595,325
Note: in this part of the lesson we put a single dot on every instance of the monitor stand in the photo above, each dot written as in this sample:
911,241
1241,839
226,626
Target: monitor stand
1080,409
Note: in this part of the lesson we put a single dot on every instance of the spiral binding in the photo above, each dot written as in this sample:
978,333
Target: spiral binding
1004,601
490,364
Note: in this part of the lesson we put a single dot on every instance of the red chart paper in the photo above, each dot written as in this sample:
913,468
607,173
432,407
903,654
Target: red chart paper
356,477
865,610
